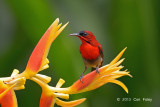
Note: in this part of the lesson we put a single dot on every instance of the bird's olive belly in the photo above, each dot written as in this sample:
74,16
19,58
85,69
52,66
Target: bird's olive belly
93,63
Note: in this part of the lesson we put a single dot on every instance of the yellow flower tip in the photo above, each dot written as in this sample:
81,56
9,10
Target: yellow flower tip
61,29
130,75
60,83
67,23
121,66
125,48
15,72
126,90
44,64
57,19
118,56
45,61
19,87
69,103
120,84
59,25
44,67
55,22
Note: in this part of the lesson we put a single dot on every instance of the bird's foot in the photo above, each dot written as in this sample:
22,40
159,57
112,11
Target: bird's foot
97,71
81,78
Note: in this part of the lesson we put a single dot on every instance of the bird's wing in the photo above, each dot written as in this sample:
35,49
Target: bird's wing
101,53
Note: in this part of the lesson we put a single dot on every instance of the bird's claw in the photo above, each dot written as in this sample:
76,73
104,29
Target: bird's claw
81,78
97,71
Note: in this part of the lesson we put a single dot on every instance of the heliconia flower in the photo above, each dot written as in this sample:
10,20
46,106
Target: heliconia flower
38,59
50,95
7,96
49,98
93,80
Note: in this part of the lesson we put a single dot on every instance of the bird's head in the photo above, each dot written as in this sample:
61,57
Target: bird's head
85,36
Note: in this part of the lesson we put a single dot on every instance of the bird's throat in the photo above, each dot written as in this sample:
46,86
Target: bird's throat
84,40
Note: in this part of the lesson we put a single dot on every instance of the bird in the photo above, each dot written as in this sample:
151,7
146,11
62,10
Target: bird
91,51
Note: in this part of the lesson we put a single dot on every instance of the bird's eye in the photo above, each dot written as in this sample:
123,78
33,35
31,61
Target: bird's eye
82,33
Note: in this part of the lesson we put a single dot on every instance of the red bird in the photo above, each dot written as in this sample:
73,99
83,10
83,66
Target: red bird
91,51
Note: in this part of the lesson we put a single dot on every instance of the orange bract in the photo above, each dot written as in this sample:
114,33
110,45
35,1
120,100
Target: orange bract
7,96
38,59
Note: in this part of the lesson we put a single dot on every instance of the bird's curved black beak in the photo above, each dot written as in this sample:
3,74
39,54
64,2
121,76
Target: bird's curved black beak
74,34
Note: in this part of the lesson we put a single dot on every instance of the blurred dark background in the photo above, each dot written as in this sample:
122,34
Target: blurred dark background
116,24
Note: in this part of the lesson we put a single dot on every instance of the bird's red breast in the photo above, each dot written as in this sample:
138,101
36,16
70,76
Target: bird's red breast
88,51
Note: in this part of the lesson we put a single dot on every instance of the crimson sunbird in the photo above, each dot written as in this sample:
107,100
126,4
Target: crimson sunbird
91,51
